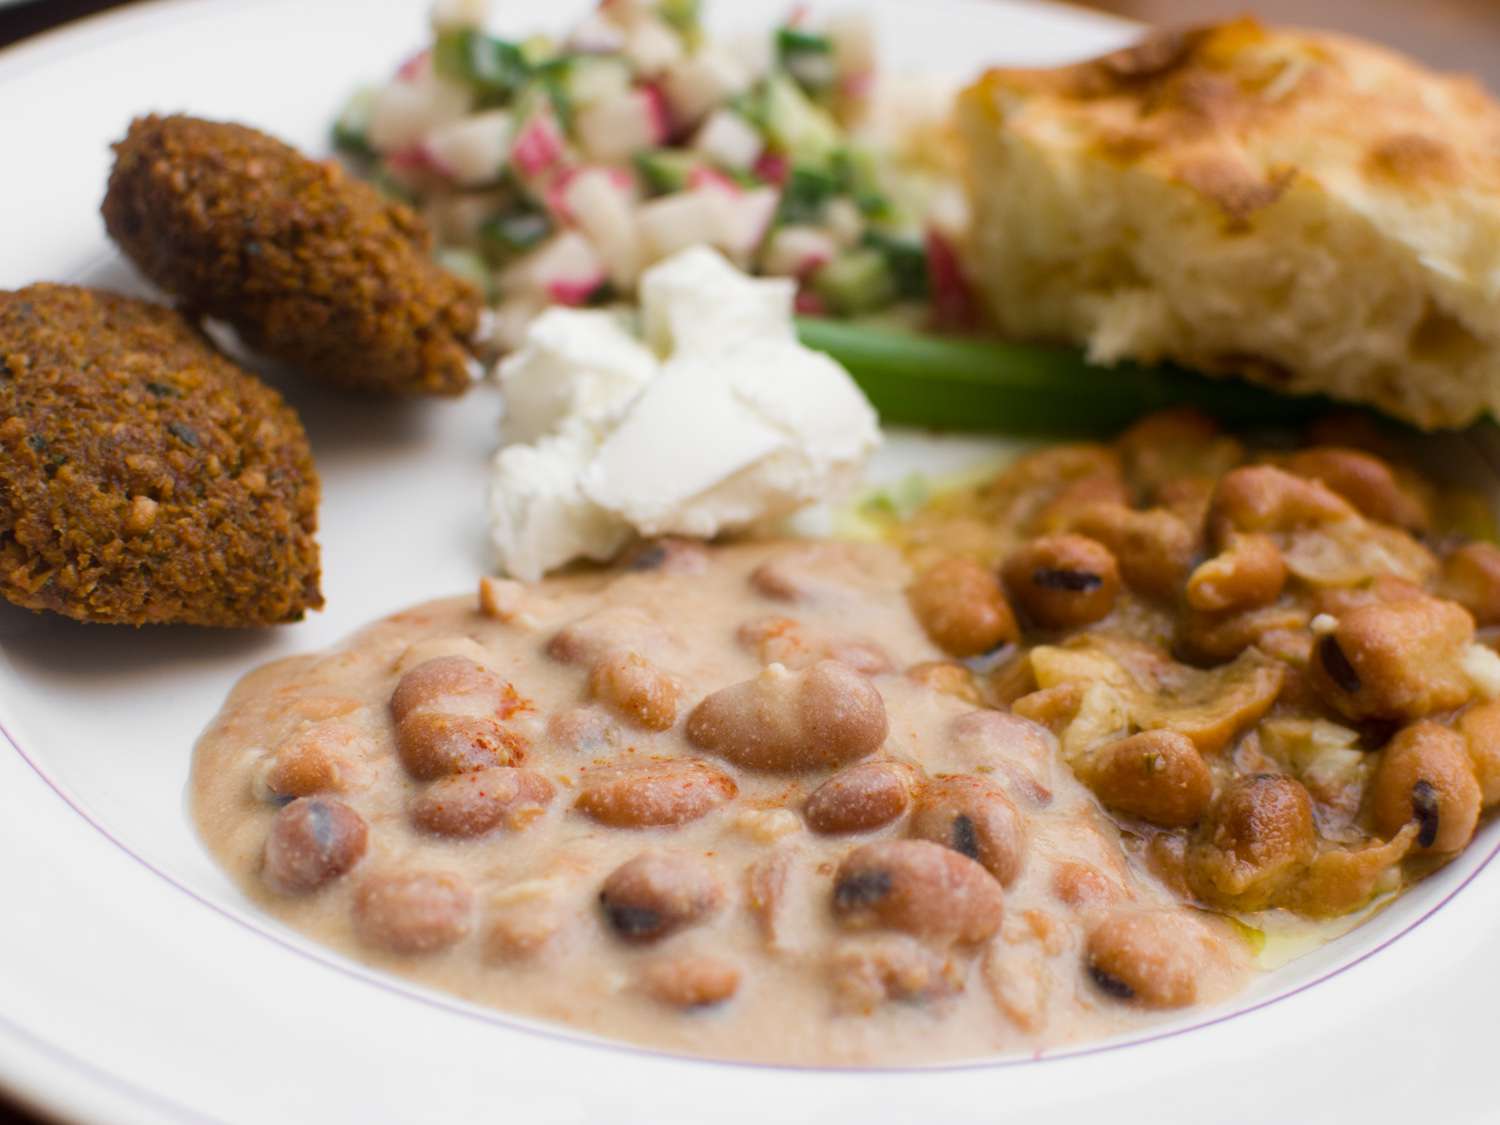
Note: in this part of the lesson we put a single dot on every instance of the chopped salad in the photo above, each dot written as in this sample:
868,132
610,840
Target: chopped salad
554,172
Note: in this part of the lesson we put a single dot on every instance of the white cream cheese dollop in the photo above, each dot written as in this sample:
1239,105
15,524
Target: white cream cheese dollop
718,420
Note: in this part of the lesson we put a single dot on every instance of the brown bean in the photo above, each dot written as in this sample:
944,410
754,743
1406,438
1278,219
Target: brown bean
654,793
1265,498
658,893
860,798
318,759
413,911
787,641
1158,776
810,573
1020,750
820,718
1425,775
962,607
868,972
1078,885
1154,548
975,818
1471,577
432,744
1256,840
1480,726
1062,581
668,555
1154,959
919,887
947,677
691,980
768,885
637,689
584,730
471,804
1249,572
590,638
312,842
1395,660
453,684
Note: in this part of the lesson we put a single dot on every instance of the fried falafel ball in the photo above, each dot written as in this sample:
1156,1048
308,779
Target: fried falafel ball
145,478
310,265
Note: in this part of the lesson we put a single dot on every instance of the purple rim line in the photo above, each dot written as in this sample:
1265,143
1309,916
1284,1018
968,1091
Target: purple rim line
497,1019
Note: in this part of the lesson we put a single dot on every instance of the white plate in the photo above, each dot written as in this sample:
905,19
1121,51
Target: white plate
137,984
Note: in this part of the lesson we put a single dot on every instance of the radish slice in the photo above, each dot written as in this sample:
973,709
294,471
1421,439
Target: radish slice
615,130
602,209
744,220
729,140
844,221
455,15
406,111
713,180
651,46
707,78
415,67
597,35
564,270
772,167
675,222
797,251
953,301
853,37
808,303
557,192
474,149
538,146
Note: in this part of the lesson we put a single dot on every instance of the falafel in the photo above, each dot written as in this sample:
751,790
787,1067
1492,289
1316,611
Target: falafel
144,477
311,266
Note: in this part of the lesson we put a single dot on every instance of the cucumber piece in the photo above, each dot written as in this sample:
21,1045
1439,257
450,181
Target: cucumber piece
906,258
469,265
857,281
666,170
351,129
683,16
807,57
495,69
798,127
806,190
508,236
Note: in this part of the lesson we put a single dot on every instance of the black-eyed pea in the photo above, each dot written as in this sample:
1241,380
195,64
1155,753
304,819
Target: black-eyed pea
691,980
962,607
636,689
1170,445
1471,577
659,893
1154,548
1062,581
1158,776
861,798
920,888
432,744
1016,747
1425,775
1154,959
1398,660
975,818
653,793
312,842
1365,481
1249,572
819,718
1257,838
584,730
1480,726
471,804
1265,498
413,912
868,972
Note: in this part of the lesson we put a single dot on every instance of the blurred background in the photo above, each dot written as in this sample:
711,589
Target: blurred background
1452,34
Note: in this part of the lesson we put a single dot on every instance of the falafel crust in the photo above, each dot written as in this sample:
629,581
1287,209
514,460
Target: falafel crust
310,265
144,478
